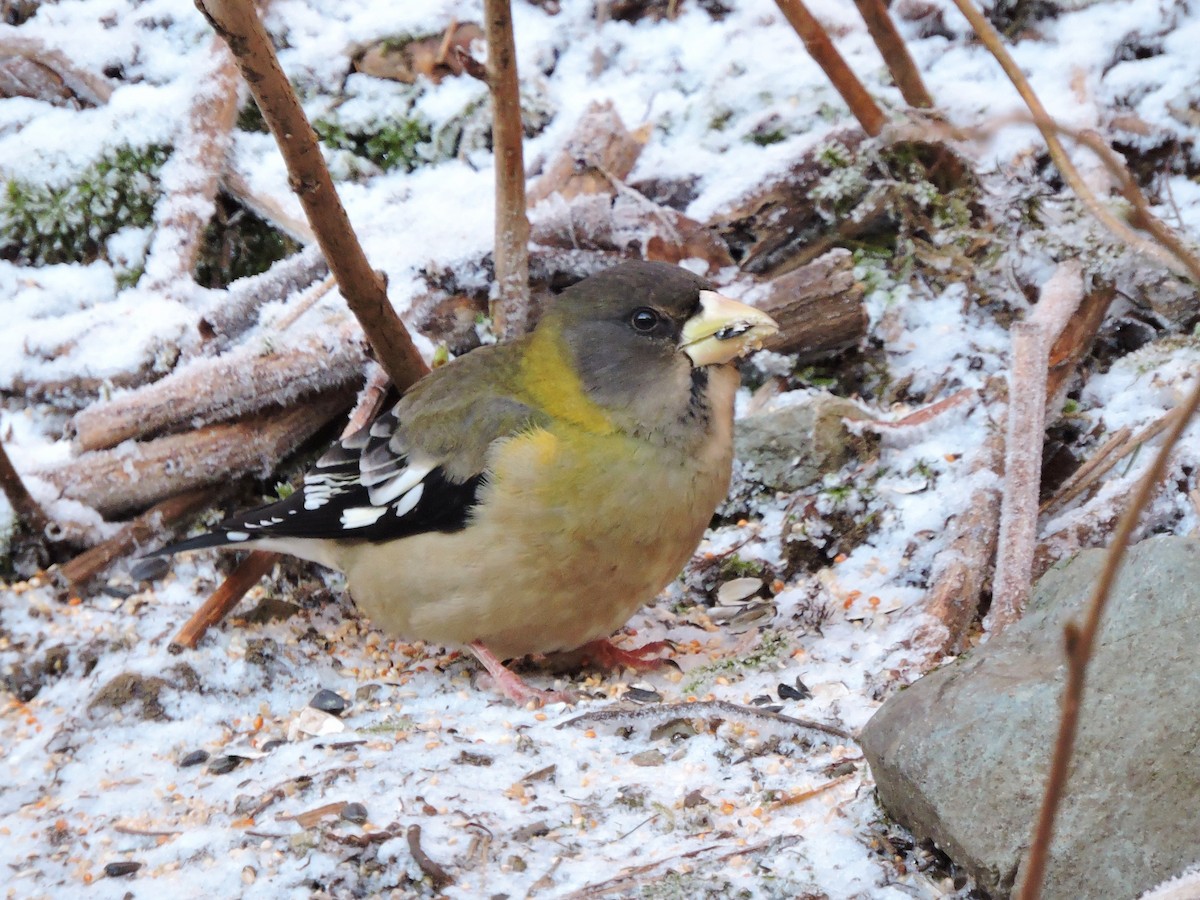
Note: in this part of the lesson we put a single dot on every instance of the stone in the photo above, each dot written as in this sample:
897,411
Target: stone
961,756
790,447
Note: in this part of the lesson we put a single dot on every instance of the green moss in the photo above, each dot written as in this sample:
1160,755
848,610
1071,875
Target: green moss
237,244
401,144
43,224
736,567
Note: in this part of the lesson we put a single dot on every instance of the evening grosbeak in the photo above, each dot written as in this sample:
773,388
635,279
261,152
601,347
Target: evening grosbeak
529,497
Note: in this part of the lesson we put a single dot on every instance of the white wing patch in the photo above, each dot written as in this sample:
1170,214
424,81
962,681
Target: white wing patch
237,536
402,483
320,488
361,516
408,502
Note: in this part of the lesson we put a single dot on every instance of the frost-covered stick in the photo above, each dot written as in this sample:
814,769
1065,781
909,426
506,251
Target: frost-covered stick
510,308
191,177
247,574
1022,475
962,568
1143,218
1028,373
364,289
213,389
895,53
821,49
138,533
133,476
27,509
266,206
1074,342
237,308
1058,154
1080,640
87,86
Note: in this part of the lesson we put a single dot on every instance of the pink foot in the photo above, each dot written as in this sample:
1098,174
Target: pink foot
512,685
604,654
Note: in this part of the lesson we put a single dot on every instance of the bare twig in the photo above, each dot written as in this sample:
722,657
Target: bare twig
804,796
699,710
1080,641
821,49
510,308
141,531
895,54
364,289
437,875
257,564
1114,450
27,509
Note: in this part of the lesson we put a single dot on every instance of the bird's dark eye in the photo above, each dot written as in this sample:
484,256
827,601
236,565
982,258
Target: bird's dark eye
644,320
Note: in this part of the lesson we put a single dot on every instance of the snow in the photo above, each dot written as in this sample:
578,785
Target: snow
82,786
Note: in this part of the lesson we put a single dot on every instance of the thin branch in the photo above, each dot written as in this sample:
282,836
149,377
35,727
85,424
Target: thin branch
821,49
257,564
992,40
364,289
895,53
699,710
27,509
1080,641
510,308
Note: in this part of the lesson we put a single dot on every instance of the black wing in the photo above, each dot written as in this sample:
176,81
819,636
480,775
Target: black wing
366,487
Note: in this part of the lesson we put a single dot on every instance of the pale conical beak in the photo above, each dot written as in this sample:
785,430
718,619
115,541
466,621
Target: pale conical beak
724,329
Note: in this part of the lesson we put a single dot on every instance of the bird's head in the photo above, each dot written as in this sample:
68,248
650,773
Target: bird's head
642,335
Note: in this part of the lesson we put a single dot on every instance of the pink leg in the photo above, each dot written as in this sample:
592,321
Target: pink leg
512,685
604,654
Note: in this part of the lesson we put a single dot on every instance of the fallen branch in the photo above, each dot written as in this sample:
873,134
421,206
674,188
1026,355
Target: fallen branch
134,476
209,390
598,150
821,49
957,583
1080,642
257,564
28,511
239,306
1060,297
141,532
895,53
364,289
510,307
265,206
92,89
819,307
191,177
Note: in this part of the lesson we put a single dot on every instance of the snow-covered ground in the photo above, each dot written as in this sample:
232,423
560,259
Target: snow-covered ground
632,800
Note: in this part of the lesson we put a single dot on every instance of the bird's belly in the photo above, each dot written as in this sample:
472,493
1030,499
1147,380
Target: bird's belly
564,549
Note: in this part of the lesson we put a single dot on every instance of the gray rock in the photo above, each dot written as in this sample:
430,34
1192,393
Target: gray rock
788,448
962,755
